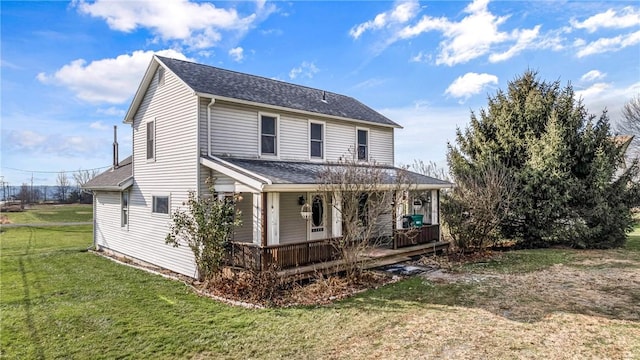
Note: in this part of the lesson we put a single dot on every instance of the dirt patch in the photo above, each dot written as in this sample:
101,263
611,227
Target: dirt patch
4,220
583,287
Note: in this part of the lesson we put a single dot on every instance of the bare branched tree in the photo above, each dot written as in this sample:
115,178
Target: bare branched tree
430,169
364,197
81,177
630,125
477,206
63,184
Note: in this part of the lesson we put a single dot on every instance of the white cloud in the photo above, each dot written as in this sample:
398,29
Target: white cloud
475,35
402,12
421,57
603,45
306,69
31,142
470,84
111,80
111,111
592,75
525,39
98,125
628,17
198,24
237,54
593,90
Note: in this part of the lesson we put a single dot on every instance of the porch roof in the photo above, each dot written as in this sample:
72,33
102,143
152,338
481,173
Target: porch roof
296,174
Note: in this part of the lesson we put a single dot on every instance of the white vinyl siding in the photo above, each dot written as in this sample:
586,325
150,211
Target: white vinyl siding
234,131
381,145
244,233
174,171
293,138
108,229
340,141
293,228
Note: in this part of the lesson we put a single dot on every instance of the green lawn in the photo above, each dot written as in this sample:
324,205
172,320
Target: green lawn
52,214
60,301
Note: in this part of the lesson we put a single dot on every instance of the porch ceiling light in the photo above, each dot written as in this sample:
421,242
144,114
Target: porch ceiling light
305,212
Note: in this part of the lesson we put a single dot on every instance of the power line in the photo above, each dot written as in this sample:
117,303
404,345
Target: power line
53,172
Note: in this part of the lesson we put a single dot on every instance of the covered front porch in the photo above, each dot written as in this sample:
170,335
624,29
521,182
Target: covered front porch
290,224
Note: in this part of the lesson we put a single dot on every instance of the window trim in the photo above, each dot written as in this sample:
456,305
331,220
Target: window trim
368,144
277,135
125,211
153,204
323,140
154,140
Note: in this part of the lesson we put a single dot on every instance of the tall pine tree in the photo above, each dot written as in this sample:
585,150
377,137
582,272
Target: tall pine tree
563,160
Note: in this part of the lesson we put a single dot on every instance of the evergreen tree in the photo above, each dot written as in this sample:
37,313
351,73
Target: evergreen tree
562,159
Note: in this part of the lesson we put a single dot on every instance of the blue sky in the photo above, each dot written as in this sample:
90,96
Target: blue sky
70,69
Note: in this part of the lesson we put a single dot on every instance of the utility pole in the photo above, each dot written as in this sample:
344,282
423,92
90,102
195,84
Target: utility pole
31,192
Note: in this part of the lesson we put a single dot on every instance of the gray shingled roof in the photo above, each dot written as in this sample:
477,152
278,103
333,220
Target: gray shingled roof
215,81
293,172
111,178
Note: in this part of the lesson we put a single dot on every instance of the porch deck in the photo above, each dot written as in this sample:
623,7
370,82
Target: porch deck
323,255
376,257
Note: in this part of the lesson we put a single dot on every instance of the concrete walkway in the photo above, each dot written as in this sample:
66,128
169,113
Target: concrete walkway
46,224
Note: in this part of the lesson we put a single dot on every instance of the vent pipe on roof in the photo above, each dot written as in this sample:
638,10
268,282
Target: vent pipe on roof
324,96
115,146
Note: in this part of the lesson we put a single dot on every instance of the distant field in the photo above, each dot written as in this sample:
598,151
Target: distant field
52,214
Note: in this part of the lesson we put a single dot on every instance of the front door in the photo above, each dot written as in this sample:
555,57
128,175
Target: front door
317,223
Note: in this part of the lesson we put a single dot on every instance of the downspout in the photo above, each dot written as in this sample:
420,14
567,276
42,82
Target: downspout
213,101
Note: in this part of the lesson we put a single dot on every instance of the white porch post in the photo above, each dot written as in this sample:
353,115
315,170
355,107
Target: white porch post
336,215
257,218
399,208
273,218
434,207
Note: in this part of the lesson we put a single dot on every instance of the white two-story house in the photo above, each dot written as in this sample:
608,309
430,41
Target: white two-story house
263,139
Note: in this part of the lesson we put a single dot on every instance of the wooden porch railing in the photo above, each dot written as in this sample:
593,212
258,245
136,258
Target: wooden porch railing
251,256
416,236
283,256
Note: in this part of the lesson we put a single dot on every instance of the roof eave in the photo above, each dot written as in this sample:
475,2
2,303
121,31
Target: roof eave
121,186
282,108
142,89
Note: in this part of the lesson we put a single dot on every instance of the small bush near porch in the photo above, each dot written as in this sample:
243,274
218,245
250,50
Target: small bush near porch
60,301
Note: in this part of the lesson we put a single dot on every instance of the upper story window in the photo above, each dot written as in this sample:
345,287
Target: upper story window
316,140
160,204
151,140
268,135
363,144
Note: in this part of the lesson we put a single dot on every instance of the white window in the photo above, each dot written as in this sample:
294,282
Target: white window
362,144
268,134
316,140
151,140
124,204
160,204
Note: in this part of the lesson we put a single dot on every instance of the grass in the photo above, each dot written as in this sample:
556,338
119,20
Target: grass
52,214
60,301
